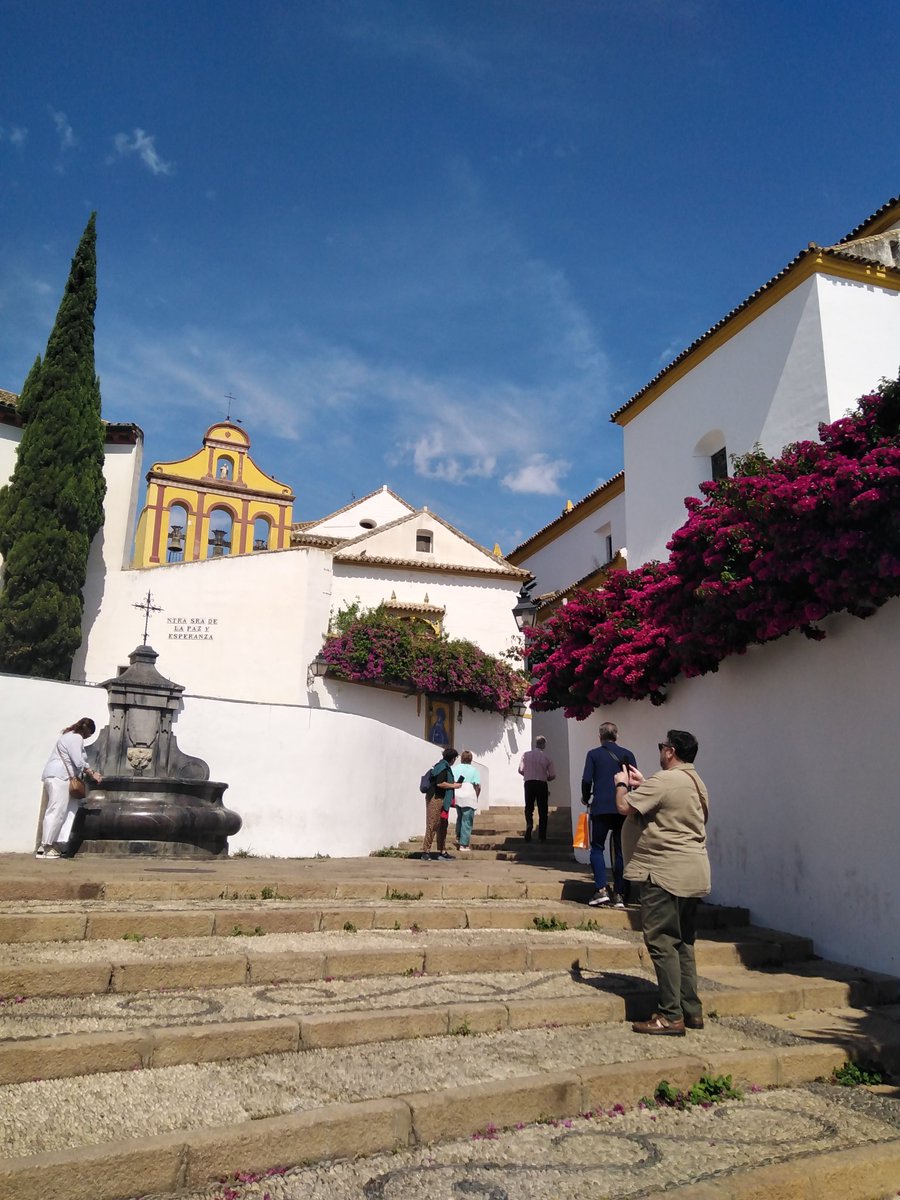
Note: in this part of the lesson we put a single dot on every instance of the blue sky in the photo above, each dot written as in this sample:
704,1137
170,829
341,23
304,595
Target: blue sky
432,244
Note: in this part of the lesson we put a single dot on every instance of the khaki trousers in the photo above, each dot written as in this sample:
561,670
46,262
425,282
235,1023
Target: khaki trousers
669,927
432,820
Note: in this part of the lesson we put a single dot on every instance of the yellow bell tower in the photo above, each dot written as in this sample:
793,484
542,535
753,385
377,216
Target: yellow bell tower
215,503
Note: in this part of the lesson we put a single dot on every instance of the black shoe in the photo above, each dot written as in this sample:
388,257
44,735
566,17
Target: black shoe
527,835
444,854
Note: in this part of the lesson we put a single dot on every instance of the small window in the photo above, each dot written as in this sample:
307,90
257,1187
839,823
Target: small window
261,532
224,468
423,541
604,533
719,464
367,523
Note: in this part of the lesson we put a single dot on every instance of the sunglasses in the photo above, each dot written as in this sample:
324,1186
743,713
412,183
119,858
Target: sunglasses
664,746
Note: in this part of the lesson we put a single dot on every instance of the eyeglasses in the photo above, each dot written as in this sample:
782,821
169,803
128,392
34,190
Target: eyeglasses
664,746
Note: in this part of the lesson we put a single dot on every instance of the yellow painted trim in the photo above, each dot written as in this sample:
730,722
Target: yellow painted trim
881,225
822,263
566,520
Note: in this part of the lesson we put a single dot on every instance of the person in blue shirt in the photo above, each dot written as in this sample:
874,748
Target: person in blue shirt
598,789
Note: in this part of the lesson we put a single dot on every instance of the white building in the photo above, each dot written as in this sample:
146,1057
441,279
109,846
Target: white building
794,736
240,633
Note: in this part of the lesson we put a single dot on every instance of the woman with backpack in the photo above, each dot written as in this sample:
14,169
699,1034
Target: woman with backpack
439,796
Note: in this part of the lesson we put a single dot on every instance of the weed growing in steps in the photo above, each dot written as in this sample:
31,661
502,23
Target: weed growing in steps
708,1090
256,931
857,1075
133,937
389,852
589,926
549,924
395,895
349,927
464,1029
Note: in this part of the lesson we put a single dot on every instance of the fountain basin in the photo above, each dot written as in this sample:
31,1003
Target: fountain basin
155,817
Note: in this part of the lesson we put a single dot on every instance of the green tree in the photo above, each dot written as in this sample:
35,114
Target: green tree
53,505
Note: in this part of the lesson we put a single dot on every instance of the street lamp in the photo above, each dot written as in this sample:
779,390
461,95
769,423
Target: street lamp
317,669
525,611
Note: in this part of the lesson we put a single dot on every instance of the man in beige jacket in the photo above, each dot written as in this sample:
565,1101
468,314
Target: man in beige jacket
664,846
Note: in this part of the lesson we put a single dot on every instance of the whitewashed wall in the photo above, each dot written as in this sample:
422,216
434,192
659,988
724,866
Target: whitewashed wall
305,780
797,745
861,336
579,548
803,361
497,743
479,607
766,384
381,507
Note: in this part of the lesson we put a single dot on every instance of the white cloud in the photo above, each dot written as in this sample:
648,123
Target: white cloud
144,145
538,475
67,138
435,456
15,135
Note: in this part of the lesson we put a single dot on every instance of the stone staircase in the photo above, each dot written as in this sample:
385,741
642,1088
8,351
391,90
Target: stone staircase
498,833
386,1028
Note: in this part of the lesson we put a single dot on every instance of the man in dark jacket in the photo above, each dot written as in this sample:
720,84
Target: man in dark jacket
598,789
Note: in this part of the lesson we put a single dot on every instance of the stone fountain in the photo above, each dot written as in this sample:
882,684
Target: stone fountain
154,800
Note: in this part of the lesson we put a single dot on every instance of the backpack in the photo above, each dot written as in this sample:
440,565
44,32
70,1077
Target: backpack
425,783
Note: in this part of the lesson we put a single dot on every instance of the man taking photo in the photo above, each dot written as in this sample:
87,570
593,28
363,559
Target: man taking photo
664,845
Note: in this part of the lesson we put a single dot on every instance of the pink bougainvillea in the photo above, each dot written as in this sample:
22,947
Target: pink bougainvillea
376,647
777,547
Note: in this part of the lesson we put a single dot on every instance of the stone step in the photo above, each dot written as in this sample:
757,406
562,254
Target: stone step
129,964
250,917
172,1128
586,998
132,1066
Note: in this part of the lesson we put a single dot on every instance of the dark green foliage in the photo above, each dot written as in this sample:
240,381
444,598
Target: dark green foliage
857,1075
53,505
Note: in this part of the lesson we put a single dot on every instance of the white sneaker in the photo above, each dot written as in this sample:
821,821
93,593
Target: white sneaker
599,899
51,852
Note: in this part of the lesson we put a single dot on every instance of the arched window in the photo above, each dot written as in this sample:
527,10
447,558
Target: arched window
177,533
224,467
220,525
262,529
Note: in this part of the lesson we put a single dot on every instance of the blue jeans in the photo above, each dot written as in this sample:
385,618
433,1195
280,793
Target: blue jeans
464,819
602,825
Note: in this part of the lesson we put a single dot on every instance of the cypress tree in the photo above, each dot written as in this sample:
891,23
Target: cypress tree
53,505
